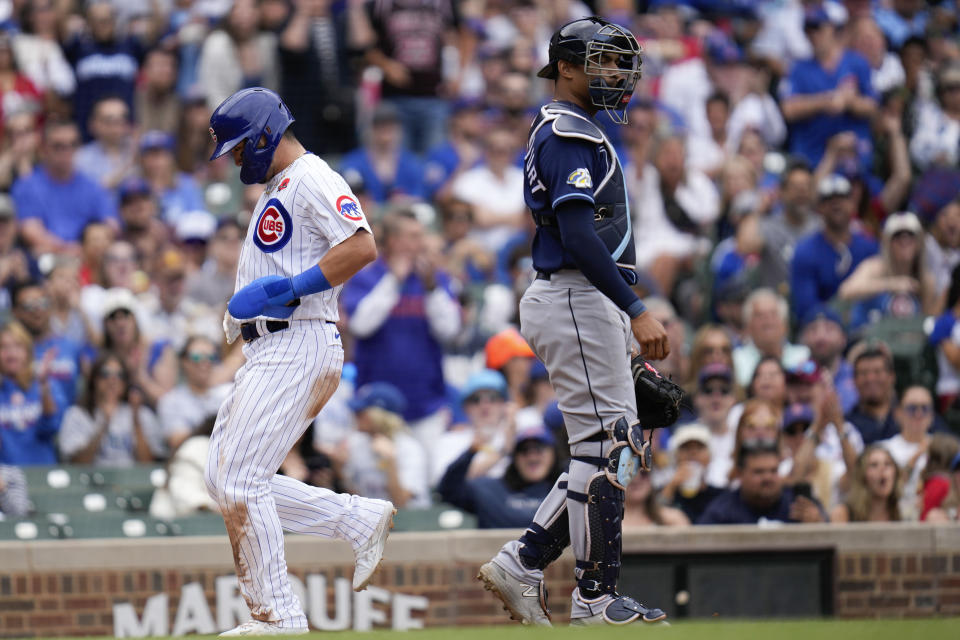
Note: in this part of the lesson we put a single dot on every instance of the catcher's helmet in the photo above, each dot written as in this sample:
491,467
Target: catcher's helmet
591,41
246,116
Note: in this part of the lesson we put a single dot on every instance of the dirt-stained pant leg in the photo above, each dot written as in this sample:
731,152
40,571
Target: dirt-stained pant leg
584,340
287,377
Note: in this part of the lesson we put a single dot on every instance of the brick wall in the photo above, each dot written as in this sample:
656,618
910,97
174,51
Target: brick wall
897,584
64,588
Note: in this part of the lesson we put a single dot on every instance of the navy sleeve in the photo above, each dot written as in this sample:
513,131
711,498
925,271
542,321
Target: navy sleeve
568,168
454,487
580,240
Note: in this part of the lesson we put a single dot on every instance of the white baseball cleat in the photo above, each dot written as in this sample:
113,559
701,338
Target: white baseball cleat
526,603
370,553
257,628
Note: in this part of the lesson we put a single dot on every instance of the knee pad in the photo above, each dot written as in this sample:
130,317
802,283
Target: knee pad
603,515
539,546
627,456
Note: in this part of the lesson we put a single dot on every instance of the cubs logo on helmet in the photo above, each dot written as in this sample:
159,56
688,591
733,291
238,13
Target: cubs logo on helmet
349,209
274,227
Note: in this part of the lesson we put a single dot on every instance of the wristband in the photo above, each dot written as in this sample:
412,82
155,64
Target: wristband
310,281
636,308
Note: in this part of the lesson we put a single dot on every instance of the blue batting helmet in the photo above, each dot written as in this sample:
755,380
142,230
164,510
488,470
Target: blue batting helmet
245,117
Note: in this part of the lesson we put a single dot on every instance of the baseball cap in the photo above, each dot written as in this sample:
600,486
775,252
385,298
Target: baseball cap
833,186
720,48
385,113
553,417
814,17
118,298
904,221
196,225
807,372
692,432
538,371
131,188
538,433
156,139
820,312
795,413
714,371
485,379
7,209
933,191
504,346
378,394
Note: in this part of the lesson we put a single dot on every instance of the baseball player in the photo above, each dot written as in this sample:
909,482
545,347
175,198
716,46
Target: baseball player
580,317
307,236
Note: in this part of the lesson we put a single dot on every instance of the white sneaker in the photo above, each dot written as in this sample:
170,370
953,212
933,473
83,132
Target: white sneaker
257,628
370,553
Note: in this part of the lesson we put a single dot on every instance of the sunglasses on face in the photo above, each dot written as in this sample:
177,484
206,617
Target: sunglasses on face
64,146
202,357
484,396
918,409
107,374
37,305
530,447
119,313
717,390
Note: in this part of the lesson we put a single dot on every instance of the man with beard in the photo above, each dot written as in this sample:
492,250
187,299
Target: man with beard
825,258
140,223
762,497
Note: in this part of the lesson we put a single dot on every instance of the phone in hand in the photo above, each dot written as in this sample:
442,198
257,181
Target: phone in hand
803,489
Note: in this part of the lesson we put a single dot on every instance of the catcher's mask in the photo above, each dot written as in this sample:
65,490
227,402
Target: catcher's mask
610,56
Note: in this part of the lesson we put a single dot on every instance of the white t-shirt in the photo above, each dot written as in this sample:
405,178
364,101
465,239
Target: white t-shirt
902,451
481,187
180,410
117,445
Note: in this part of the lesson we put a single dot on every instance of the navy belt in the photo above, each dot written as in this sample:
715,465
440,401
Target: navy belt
249,331
543,275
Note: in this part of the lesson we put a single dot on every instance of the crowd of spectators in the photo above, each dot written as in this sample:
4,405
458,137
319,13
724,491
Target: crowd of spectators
793,169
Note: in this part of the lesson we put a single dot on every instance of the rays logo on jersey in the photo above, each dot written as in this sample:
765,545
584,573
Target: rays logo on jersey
349,209
581,179
274,227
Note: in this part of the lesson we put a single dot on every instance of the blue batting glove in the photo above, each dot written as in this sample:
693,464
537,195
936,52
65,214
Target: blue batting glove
250,301
280,292
278,311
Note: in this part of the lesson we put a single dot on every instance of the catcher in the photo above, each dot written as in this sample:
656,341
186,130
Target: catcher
580,317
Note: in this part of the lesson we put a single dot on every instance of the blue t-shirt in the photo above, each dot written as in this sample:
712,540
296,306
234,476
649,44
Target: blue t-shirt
184,196
65,368
65,208
818,268
440,164
27,437
403,341
809,137
884,305
407,181
729,508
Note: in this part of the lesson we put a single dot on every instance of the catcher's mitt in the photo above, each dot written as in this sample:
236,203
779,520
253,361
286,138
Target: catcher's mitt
658,399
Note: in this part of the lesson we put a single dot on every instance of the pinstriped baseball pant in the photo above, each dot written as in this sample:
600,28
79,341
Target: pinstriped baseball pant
287,378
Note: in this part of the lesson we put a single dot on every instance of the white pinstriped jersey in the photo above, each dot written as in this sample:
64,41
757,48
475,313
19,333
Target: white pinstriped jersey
305,210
